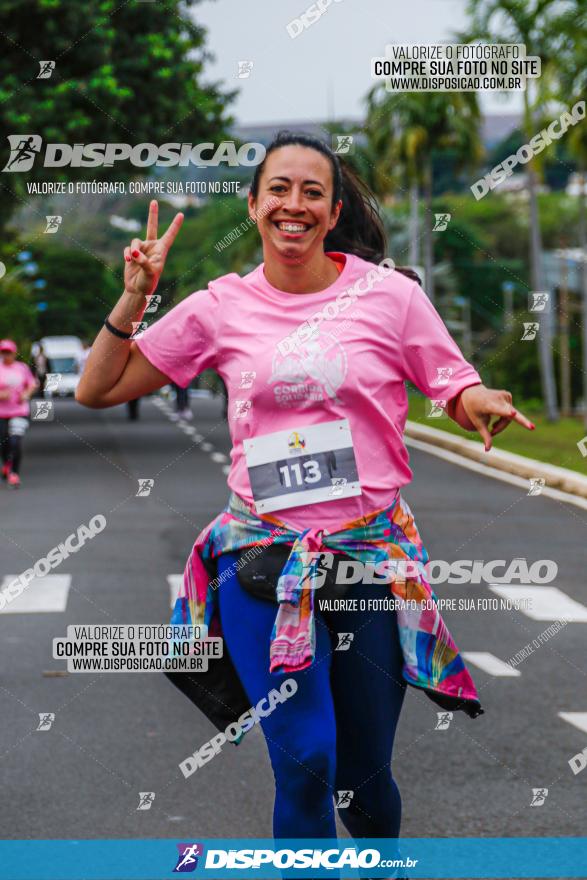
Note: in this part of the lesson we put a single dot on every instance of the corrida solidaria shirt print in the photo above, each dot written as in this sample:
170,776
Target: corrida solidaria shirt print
294,360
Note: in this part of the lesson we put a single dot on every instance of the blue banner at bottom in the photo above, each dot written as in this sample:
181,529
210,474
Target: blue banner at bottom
224,858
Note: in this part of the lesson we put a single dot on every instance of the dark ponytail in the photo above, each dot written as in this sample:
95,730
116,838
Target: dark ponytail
359,229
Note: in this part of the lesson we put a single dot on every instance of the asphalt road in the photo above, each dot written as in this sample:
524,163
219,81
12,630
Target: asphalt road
117,735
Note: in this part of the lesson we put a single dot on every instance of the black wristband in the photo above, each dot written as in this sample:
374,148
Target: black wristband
120,333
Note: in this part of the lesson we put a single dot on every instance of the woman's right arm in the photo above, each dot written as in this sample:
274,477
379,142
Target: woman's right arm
115,370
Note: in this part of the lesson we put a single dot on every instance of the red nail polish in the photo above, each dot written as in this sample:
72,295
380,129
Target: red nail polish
127,259
532,426
135,253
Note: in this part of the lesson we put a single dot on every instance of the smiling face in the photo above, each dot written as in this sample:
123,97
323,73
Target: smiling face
293,208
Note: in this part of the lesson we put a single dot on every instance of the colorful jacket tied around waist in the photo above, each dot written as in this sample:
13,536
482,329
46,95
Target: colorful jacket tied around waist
431,658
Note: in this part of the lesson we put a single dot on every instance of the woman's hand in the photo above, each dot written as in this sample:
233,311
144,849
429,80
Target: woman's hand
475,406
145,259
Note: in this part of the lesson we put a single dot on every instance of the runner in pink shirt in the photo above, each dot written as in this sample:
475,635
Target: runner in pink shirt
17,383
315,346
372,328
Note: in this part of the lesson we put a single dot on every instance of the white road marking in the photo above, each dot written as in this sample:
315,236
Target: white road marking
490,664
495,474
217,457
577,719
43,595
545,603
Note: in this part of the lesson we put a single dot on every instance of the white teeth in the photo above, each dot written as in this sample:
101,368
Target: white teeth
292,227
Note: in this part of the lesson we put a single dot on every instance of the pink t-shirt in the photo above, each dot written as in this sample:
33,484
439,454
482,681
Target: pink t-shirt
16,377
290,361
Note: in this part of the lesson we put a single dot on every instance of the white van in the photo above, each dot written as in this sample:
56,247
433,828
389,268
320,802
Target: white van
63,355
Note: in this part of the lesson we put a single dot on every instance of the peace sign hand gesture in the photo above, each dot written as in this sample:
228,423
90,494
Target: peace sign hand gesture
145,260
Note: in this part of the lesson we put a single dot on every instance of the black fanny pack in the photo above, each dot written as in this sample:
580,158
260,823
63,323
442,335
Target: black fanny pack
258,573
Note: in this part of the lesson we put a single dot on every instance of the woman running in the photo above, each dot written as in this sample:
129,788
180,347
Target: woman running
315,346
17,384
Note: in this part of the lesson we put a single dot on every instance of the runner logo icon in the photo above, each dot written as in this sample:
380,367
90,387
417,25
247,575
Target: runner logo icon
187,860
344,641
23,151
539,795
46,719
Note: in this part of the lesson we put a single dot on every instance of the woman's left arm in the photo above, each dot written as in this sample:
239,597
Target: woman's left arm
475,406
429,354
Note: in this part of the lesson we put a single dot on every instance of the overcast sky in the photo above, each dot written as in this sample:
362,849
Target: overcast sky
326,69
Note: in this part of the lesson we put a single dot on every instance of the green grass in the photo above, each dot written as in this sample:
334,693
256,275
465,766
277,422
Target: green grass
551,443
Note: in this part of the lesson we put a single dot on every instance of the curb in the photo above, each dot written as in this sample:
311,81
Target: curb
555,477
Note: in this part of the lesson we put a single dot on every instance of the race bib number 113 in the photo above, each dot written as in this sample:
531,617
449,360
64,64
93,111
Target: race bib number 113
302,466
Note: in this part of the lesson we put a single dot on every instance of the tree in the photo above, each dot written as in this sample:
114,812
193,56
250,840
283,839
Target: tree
217,238
18,315
533,23
124,73
406,132
18,312
80,290
571,80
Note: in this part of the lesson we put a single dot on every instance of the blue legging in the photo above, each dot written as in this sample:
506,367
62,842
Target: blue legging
336,732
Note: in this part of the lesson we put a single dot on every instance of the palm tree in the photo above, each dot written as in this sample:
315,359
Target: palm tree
571,82
404,131
531,22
